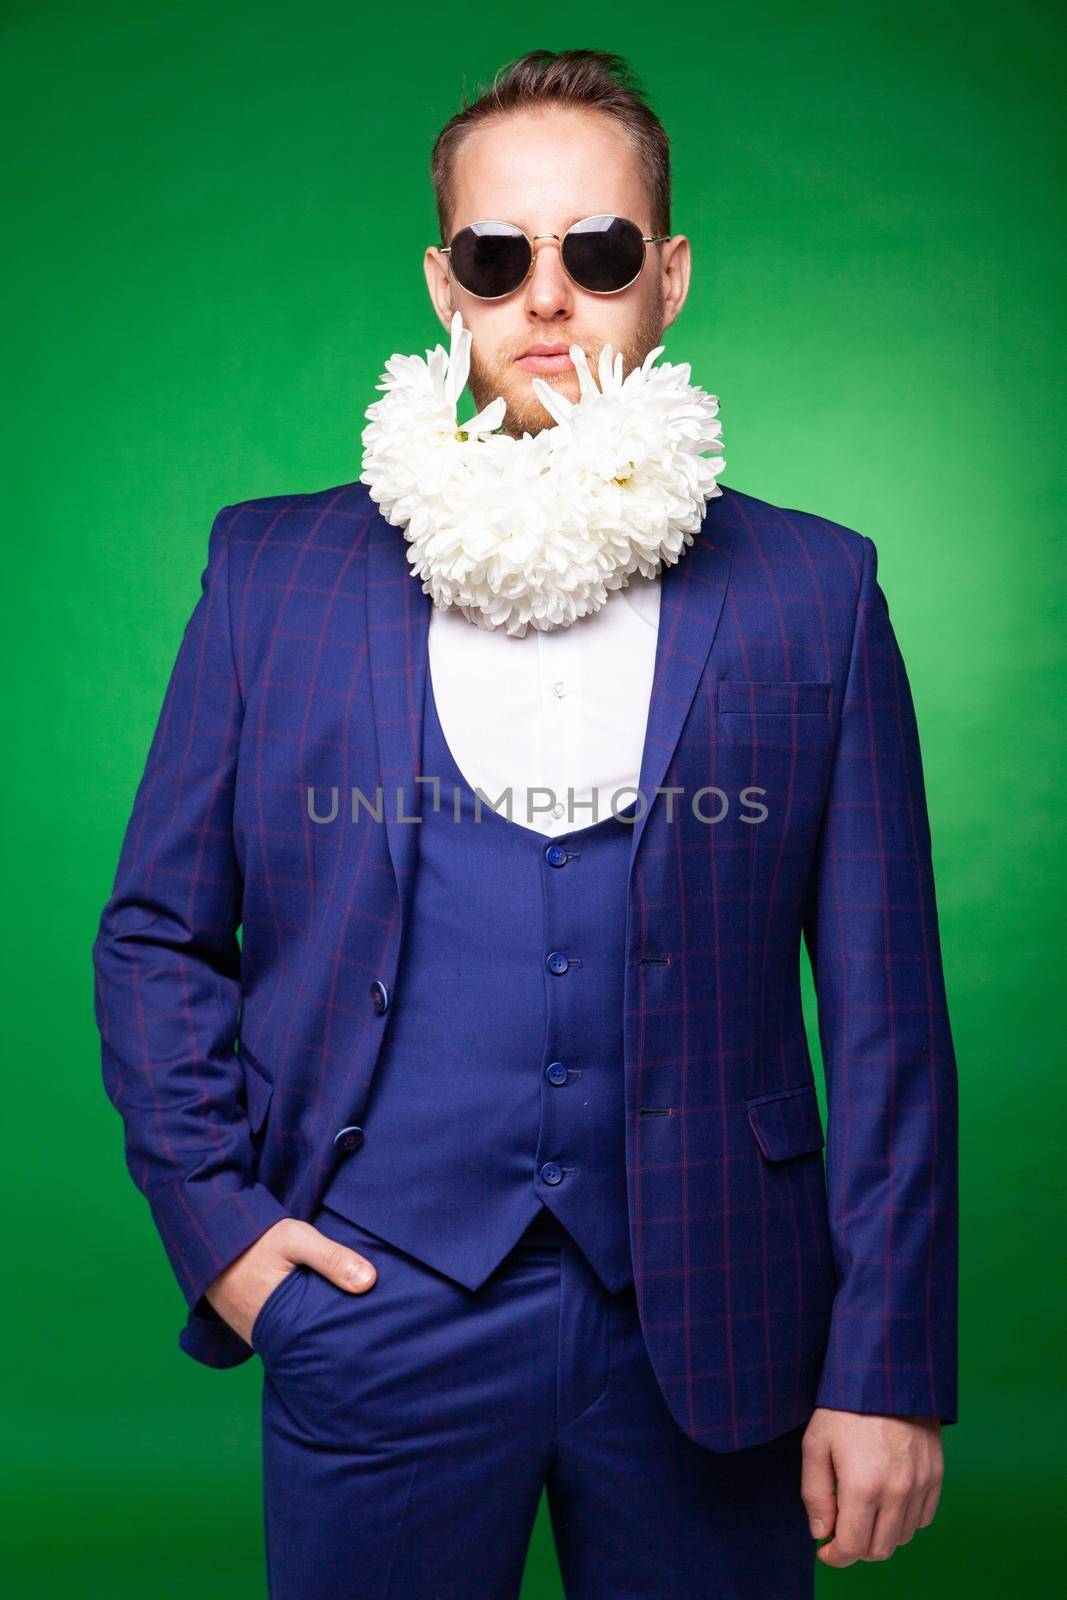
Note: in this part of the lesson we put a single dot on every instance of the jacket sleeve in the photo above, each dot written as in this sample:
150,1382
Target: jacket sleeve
891,1091
167,963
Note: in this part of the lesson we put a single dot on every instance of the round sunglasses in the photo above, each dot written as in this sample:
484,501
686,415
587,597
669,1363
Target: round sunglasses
603,254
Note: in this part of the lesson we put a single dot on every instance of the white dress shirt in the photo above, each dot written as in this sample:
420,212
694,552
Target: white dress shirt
563,710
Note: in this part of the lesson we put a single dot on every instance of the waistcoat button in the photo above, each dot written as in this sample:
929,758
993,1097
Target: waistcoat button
556,1072
347,1139
557,961
555,855
551,1173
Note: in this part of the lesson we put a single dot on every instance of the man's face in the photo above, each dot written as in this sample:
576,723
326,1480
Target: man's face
544,170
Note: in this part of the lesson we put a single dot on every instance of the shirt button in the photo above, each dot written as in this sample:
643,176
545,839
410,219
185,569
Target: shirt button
550,1173
556,1072
557,809
557,961
555,855
559,689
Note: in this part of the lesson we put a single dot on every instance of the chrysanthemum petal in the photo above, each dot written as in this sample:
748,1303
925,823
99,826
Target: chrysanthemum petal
538,531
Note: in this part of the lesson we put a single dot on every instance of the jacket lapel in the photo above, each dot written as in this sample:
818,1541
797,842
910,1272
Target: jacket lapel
398,618
691,600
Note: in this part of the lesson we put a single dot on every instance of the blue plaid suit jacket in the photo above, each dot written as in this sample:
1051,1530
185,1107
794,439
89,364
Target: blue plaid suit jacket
774,1270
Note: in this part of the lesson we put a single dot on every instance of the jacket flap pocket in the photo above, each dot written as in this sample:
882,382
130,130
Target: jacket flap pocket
787,1123
258,1088
810,698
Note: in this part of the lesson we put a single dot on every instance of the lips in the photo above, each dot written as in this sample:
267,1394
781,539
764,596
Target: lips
546,358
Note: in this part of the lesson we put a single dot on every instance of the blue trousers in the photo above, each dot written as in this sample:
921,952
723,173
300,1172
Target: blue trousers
408,1433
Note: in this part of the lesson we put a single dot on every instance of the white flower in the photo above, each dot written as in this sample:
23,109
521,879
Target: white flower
538,531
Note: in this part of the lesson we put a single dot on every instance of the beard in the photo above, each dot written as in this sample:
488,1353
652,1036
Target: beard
535,532
525,413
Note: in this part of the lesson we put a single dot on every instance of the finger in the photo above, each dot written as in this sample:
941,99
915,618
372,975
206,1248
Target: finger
344,1267
852,1535
929,1504
909,1520
818,1488
886,1533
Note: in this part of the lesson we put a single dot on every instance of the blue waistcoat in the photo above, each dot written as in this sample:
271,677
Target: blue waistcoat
499,1089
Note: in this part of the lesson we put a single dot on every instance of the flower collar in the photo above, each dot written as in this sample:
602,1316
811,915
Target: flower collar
536,532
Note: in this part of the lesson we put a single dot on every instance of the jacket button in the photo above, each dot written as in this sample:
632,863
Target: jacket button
379,996
551,1173
555,855
347,1139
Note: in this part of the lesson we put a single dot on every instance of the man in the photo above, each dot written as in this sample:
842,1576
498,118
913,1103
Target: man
515,1179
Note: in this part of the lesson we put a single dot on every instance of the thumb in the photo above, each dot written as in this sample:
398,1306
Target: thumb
344,1267
818,1489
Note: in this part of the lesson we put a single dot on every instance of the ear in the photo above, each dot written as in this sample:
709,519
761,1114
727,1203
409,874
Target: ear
674,267
439,284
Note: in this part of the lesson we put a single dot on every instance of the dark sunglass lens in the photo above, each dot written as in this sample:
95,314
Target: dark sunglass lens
603,253
490,258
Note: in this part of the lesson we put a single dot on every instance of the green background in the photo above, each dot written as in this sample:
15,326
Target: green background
214,241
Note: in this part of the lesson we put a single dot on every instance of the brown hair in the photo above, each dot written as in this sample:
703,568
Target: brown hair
595,79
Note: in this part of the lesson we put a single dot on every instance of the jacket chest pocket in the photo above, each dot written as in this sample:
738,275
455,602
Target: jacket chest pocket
783,714
736,697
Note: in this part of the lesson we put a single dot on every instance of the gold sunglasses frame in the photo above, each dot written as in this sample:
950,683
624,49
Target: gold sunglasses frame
646,238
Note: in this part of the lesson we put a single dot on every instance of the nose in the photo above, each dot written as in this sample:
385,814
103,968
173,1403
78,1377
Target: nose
549,290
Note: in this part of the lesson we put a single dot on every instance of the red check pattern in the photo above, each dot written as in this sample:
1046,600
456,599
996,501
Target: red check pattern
766,1282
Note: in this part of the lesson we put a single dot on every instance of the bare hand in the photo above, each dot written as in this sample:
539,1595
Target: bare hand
888,1471
242,1288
